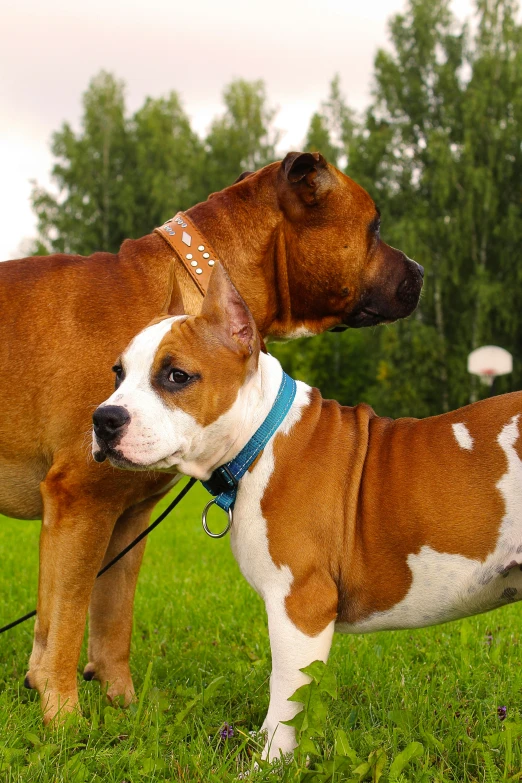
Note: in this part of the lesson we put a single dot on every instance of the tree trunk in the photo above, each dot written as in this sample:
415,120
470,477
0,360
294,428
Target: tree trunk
439,321
106,180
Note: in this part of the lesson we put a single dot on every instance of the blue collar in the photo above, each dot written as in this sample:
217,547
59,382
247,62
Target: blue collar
224,480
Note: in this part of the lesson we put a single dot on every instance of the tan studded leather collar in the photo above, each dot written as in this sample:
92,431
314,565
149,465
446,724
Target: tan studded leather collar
193,250
191,247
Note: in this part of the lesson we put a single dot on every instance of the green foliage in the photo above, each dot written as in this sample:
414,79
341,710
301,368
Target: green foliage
410,752
318,139
331,129
90,176
310,721
168,157
243,139
343,366
342,762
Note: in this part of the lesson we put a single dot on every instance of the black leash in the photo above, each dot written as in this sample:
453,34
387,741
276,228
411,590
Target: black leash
179,497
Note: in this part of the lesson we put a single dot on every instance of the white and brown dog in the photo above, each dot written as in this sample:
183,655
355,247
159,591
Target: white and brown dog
346,521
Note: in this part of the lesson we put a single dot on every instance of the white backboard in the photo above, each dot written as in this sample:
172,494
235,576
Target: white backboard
490,361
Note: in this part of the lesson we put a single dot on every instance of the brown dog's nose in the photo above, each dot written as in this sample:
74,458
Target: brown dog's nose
421,270
109,420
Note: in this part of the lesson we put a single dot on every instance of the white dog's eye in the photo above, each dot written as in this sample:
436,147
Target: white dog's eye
118,370
178,376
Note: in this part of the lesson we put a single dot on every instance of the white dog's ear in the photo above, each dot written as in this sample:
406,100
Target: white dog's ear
225,308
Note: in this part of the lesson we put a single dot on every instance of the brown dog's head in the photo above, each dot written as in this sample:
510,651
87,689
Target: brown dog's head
339,271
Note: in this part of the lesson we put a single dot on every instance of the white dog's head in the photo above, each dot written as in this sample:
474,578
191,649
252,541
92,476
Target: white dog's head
184,387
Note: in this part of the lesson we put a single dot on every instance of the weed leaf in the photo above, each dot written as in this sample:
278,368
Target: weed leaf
411,751
315,670
377,760
343,747
403,719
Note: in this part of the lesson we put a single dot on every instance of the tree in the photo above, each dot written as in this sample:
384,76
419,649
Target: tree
318,139
168,156
410,129
87,213
452,103
491,172
332,128
243,138
119,177
122,176
439,149
343,366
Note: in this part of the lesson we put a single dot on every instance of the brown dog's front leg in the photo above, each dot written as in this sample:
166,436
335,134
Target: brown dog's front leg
110,611
74,537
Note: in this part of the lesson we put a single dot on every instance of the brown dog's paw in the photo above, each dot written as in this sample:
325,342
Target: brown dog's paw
118,686
121,692
89,672
56,708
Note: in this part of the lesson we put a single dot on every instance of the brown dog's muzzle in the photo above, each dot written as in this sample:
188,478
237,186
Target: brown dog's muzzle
392,292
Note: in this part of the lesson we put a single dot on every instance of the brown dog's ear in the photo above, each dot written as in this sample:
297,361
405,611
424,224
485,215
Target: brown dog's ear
225,308
306,170
301,165
243,176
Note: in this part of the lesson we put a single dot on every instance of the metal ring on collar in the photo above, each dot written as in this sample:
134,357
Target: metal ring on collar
205,526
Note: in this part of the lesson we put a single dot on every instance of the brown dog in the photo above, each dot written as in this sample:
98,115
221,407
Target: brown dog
301,242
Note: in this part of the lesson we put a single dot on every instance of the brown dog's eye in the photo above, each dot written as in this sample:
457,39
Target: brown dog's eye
178,377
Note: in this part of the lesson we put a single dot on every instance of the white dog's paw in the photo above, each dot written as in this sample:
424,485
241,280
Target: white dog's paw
279,743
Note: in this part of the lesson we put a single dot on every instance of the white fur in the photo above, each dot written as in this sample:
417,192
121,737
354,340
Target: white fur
463,436
299,331
445,587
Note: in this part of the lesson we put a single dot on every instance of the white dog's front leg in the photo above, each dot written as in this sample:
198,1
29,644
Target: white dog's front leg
291,650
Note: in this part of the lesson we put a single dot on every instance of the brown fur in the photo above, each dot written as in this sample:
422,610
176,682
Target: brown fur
365,492
300,253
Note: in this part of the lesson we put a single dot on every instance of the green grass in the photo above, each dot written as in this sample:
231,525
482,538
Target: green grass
196,620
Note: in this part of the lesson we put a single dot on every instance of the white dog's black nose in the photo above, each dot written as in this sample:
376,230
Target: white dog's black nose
109,420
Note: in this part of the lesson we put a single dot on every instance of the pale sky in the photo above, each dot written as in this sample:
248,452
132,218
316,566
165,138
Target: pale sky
50,50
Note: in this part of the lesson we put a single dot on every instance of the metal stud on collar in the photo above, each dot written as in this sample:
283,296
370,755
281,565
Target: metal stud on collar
191,248
204,521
